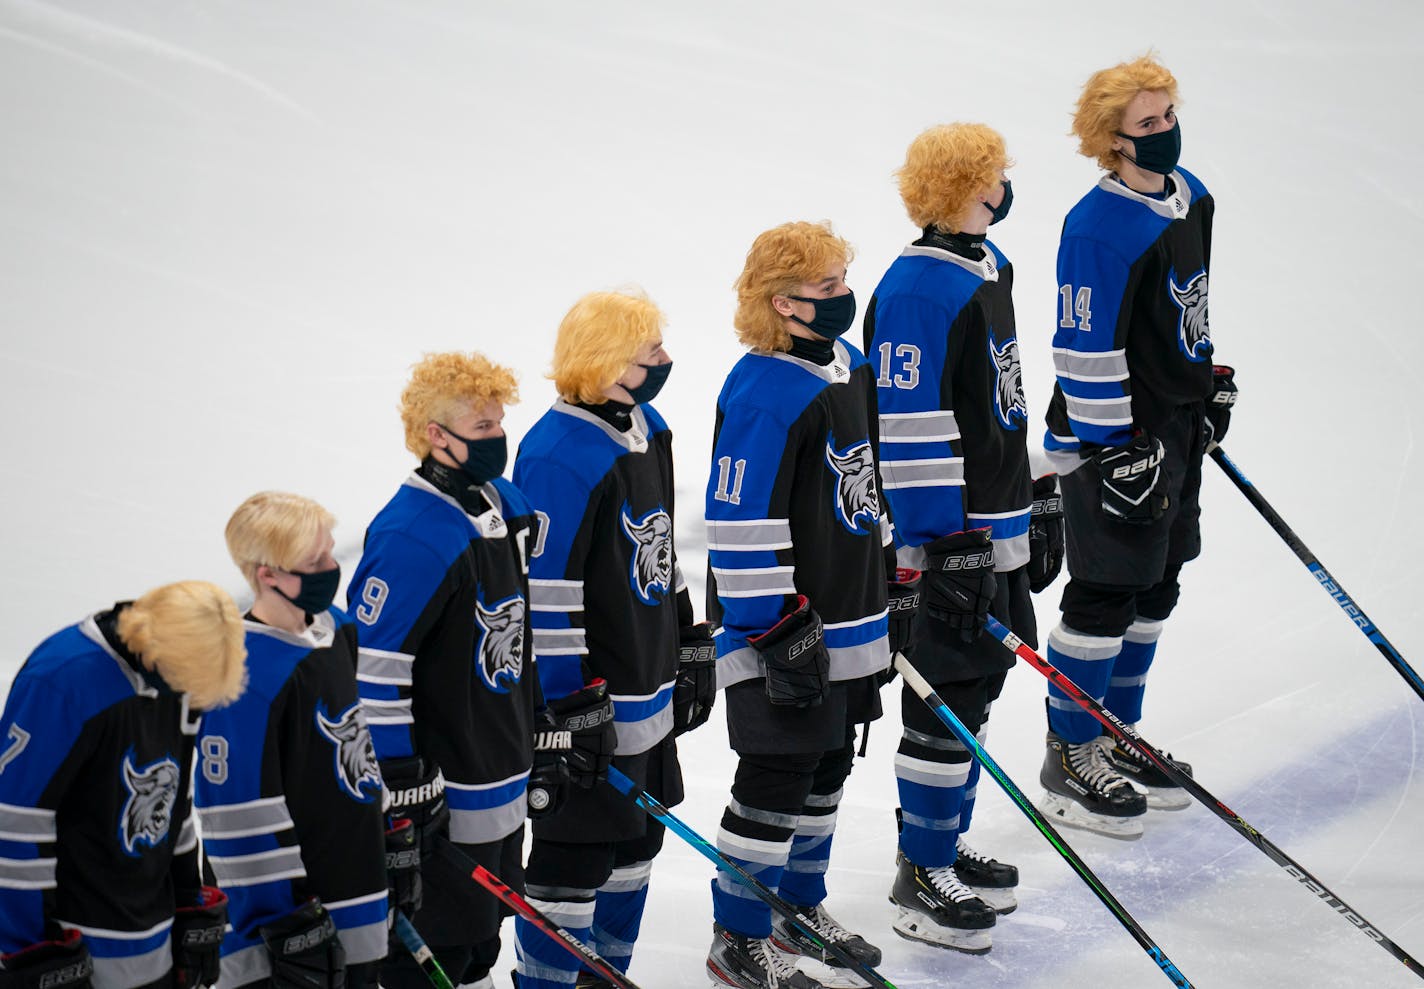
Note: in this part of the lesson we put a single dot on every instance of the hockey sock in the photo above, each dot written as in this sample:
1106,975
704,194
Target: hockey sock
1129,673
618,913
971,788
930,774
804,882
760,842
542,963
1088,661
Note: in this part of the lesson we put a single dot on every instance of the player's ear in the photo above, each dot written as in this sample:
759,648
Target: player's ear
782,305
433,433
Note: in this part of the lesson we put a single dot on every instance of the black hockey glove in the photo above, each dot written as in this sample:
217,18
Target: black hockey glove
696,689
63,963
959,581
306,952
798,668
403,883
1045,533
417,791
1134,485
549,778
587,715
903,593
198,927
1221,402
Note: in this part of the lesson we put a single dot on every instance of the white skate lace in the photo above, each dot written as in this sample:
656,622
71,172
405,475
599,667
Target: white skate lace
966,852
776,964
827,926
1090,761
944,880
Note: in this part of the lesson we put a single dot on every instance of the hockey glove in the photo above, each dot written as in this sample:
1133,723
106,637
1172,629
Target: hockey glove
63,963
403,883
1221,402
1045,533
798,668
959,581
306,952
417,791
1134,485
904,609
696,689
197,937
587,715
549,778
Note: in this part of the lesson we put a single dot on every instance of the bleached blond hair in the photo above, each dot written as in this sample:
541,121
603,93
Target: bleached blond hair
780,260
190,634
947,170
442,386
597,340
274,529
1098,116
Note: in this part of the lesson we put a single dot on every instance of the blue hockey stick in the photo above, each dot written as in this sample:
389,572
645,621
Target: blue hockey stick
926,693
421,952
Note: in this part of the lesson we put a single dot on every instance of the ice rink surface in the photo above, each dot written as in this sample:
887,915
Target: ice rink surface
230,227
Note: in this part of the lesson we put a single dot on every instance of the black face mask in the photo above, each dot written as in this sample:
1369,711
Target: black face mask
833,316
1156,152
1002,210
652,384
317,590
484,459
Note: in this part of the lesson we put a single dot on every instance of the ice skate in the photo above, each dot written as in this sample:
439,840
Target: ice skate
753,963
820,964
989,879
1163,793
935,907
1084,790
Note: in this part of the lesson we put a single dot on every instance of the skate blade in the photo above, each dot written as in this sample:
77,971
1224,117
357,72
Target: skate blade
1001,899
914,926
1166,797
831,976
1069,813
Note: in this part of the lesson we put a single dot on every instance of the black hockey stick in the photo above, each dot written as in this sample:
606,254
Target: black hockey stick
529,912
785,908
421,952
926,693
1323,576
1126,733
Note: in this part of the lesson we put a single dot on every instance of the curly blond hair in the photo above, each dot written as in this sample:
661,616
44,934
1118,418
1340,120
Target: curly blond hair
444,385
780,260
274,529
597,340
1098,116
190,634
947,169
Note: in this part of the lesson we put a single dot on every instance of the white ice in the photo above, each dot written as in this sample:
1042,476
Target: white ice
230,227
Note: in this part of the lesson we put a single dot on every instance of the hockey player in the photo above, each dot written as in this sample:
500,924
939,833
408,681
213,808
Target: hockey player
441,601
953,421
798,549
1135,405
610,610
99,883
288,792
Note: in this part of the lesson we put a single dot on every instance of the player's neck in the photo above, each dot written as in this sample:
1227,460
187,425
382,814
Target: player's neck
1139,179
271,608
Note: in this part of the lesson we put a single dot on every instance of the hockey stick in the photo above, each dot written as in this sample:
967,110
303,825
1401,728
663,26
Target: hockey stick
926,693
710,851
1126,733
1323,576
529,912
421,952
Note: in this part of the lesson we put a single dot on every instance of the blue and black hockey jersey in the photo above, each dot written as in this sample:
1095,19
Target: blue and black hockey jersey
1132,343
288,795
442,601
953,450
793,508
95,826
606,588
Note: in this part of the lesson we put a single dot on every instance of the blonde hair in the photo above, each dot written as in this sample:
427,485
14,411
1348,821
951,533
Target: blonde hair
275,529
597,340
189,633
440,387
1098,116
780,260
947,168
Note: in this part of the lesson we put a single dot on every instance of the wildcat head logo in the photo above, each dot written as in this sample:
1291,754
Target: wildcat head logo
153,791
1193,335
500,656
354,756
651,567
1009,402
857,501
